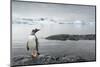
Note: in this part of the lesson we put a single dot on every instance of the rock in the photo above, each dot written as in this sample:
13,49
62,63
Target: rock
44,59
64,37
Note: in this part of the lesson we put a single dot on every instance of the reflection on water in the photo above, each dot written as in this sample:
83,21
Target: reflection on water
83,48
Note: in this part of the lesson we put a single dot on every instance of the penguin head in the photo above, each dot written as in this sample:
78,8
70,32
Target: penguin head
35,30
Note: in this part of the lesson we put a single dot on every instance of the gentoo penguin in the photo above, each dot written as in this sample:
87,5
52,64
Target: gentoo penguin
32,43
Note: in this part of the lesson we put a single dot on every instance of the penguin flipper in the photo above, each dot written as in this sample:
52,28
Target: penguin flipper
27,47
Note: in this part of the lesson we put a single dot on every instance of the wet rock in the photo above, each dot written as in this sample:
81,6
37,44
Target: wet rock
44,59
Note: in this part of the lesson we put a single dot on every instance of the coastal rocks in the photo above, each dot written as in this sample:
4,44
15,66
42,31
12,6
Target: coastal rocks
64,37
44,59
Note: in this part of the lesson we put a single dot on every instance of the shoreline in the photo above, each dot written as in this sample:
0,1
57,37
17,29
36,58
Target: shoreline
64,37
46,59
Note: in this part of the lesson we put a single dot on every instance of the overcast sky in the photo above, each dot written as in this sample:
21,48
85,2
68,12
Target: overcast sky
55,11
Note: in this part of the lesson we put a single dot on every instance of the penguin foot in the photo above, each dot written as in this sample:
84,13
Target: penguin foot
33,57
38,53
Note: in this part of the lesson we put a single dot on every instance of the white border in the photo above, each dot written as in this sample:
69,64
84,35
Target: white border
5,33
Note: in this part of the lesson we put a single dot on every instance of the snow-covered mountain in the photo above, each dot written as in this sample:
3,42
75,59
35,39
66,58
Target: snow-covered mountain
32,21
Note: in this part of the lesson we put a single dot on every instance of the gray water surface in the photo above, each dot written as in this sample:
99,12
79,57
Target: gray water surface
82,48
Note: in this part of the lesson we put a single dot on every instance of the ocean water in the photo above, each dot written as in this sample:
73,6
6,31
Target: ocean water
22,31
82,48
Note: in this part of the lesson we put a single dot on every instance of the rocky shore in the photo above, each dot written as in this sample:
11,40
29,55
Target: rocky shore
71,37
44,59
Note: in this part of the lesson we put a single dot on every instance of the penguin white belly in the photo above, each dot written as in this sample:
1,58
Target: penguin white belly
32,43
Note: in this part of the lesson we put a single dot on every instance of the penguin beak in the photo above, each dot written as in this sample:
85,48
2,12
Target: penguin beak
36,30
